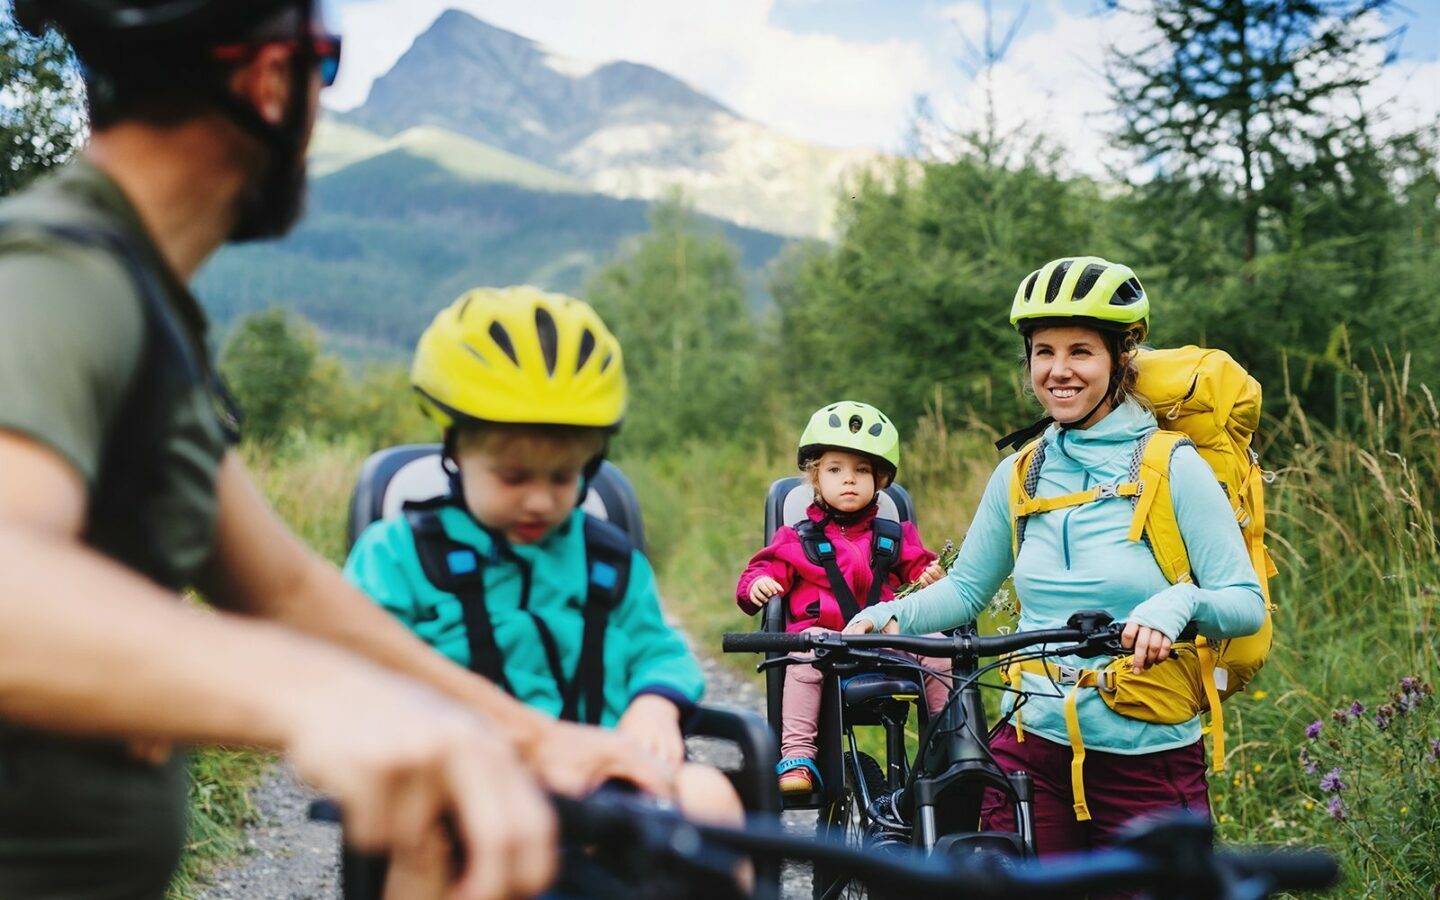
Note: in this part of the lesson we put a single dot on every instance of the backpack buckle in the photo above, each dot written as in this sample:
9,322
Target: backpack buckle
1068,675
1105,680
1107,491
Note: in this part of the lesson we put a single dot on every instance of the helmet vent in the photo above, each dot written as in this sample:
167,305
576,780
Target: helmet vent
856,423
609,358
1128,294
1030,285
470,348
501,337
876,429
1052,289
1087,280
834,420
587,347
545,332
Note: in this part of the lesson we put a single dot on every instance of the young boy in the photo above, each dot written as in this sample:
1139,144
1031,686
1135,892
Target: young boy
514,580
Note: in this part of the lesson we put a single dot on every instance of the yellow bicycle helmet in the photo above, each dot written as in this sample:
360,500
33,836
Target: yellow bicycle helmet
520,355
1083,287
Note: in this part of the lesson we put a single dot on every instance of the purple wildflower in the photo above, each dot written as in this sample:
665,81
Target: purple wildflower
1357,709
1434,754
1383,715
1337,809
1330,782
1307,761
1410,683
1312,731
1408,701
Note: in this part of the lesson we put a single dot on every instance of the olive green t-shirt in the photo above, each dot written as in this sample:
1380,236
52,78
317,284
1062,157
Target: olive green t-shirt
78,818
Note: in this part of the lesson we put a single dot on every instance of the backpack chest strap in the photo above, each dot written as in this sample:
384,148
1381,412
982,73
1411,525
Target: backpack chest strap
1031,506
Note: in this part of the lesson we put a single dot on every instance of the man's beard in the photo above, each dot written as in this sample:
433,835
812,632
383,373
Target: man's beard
271,203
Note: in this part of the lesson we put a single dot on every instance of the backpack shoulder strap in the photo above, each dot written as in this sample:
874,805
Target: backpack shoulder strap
609,556
1154,518
168,362
458,569
821,551
1024,476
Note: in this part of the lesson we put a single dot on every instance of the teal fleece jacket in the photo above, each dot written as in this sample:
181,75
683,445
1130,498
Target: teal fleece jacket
1079,558
642,653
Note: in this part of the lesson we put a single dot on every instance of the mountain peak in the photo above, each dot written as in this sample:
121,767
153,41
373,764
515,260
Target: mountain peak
475,79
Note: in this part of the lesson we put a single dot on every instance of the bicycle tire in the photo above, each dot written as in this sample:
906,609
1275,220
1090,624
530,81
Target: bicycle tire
845,819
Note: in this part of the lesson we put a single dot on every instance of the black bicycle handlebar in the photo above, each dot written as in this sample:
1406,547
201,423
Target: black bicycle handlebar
1093,631
1170,856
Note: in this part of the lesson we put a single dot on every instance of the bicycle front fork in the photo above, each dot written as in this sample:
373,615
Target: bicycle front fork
1024,787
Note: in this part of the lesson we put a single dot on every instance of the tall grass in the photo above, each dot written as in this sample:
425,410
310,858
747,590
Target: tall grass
308,483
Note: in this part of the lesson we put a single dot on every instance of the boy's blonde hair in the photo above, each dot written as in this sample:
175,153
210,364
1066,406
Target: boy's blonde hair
545,445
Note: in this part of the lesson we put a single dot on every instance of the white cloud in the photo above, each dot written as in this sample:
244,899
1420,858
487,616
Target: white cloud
1049,82
829,90
818,87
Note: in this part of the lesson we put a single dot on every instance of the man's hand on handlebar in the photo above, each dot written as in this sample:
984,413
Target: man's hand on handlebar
1149,645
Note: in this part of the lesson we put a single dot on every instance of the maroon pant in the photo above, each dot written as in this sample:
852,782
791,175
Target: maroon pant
1118,787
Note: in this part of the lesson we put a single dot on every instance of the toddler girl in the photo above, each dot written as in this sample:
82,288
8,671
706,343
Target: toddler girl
849,452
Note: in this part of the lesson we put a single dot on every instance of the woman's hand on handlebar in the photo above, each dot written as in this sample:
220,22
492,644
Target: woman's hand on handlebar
861,625
1149,645
762,589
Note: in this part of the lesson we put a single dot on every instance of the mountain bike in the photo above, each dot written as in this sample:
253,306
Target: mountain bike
932,804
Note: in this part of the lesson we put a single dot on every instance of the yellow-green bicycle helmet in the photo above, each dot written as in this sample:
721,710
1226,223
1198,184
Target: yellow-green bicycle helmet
857,427
520,355
1083,287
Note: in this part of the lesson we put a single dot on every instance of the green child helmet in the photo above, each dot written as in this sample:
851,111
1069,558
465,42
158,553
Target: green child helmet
856,427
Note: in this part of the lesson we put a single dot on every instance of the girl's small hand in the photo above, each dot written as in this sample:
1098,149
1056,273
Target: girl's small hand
762,589
1150,646
932,574
654,723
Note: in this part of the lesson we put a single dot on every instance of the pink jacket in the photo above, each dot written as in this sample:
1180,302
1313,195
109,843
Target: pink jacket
804,586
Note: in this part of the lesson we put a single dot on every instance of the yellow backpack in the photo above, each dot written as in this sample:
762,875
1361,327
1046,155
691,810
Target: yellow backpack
1204,398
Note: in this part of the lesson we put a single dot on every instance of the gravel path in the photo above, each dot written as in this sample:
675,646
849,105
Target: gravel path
292,858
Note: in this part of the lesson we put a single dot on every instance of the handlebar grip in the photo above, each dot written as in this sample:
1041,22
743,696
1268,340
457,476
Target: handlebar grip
1295,870
764,642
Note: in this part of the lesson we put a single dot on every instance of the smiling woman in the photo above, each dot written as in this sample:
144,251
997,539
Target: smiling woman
1058,517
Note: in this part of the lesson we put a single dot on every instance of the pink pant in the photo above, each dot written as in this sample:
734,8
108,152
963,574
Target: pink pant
800,705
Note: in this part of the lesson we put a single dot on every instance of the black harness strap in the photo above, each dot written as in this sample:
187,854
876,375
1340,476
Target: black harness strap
885,540
608,553
820,551
457,569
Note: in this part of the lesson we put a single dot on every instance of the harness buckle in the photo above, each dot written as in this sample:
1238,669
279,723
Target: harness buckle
1068,675
1105,680
1107,491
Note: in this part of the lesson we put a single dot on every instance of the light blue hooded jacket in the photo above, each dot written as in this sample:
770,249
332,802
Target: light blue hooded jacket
1079,558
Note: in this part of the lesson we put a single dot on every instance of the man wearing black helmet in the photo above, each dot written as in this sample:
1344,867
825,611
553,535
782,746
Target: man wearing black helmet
118,490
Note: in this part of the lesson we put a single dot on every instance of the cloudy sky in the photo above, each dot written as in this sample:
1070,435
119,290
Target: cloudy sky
846,73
